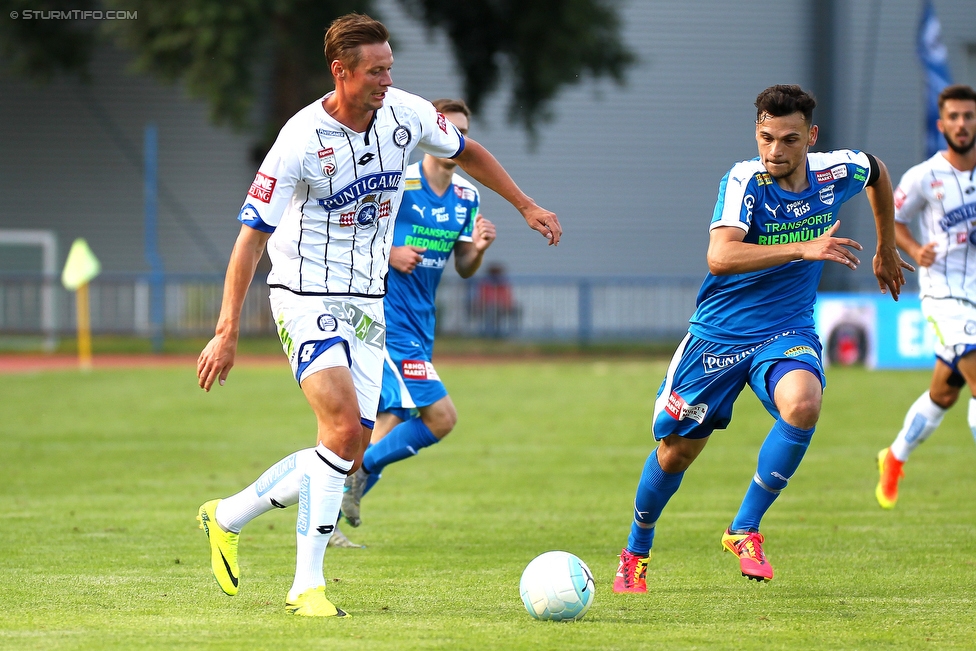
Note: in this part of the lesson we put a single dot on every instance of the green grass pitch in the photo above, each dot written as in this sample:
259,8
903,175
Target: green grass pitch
102,474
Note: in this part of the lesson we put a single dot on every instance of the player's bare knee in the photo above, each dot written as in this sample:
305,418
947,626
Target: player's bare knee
803,413
945,397
441,422
676,454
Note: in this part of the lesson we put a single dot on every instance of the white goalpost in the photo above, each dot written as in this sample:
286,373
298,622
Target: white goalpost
48,243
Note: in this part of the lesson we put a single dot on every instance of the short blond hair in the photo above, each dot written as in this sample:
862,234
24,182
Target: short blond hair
347,33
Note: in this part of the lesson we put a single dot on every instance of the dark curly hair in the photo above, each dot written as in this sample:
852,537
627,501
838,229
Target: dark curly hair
785,99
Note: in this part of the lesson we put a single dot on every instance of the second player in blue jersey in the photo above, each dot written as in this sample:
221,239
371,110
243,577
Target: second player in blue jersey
774,226
439,216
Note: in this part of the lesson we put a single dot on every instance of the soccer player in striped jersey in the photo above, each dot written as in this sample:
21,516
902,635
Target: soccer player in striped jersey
322,204
775,224
439,215
940,194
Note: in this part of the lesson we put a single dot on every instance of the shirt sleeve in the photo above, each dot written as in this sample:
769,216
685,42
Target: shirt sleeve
274,184
439,137
856,169
473,209
736,199
909,200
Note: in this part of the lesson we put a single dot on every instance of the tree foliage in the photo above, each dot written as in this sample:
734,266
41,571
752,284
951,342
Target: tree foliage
225,52
545,43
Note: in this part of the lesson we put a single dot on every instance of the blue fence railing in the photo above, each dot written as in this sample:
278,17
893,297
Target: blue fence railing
524,307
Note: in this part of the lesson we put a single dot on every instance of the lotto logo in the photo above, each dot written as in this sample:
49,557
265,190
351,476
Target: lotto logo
262,187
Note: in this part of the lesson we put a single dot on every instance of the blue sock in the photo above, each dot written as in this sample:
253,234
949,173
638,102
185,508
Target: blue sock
779,457
371,481
653,492
405,440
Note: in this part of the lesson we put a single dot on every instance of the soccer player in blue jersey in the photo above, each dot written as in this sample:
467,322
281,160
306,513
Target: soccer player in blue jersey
439,215
774,226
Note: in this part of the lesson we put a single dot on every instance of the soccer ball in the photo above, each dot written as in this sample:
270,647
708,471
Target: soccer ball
557,586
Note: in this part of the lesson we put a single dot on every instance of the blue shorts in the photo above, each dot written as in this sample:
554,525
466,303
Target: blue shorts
705,378
409,382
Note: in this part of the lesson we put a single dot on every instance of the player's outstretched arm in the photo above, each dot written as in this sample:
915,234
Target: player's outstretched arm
729,254
480,164
217,357
888,265
468,255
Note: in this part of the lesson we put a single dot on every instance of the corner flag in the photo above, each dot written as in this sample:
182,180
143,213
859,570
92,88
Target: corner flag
81,267
935,64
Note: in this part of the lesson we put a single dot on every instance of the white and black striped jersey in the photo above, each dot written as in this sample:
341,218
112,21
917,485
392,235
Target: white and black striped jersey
329,195
943,199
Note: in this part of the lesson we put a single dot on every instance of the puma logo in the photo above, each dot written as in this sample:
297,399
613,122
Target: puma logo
420,210
771,211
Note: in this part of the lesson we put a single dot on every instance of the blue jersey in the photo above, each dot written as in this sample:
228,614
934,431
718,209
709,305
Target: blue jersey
435,222
757,305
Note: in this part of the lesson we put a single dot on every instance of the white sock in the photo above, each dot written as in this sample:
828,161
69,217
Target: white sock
972,416
920,421
319,500
277,487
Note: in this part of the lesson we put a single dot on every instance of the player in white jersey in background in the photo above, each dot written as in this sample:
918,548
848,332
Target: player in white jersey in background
440,215
941,194
323,202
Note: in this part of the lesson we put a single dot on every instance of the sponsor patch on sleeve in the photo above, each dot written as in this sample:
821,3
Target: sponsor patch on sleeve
442,122
262,187
900,198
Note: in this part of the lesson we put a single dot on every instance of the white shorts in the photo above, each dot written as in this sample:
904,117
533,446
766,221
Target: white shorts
955,326
320,332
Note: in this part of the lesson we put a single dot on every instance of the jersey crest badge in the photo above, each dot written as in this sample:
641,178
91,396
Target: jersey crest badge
827,194
327,323
401,137
368,211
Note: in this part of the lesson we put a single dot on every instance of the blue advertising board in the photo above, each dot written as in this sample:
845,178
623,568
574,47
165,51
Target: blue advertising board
874,330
